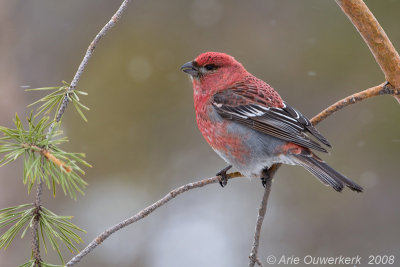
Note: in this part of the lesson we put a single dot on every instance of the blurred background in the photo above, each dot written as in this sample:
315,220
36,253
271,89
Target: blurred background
143,141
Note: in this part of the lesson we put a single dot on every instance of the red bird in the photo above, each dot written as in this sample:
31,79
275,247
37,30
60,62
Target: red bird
249,125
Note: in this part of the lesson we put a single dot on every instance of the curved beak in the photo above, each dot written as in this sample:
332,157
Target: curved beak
190,68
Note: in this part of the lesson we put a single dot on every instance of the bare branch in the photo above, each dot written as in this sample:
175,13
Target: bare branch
114,19
382,89
89,52
143,213
260,218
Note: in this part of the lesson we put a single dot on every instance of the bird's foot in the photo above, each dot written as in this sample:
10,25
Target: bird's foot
223,177
266,176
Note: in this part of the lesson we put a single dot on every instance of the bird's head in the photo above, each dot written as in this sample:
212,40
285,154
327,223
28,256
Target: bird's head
214,71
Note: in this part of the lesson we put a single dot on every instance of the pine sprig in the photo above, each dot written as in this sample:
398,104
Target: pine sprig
43,159
19,218
54,99
55,227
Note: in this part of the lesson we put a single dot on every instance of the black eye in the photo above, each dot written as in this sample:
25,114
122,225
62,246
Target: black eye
210,67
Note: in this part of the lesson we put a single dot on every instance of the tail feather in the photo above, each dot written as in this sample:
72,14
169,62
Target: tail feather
326,173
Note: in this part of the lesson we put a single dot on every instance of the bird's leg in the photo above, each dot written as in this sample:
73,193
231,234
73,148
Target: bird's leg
265,176
223,180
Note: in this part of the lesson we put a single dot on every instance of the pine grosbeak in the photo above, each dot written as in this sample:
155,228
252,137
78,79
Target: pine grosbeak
248,124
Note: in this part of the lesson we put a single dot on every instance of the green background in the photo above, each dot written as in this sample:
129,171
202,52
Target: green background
142,138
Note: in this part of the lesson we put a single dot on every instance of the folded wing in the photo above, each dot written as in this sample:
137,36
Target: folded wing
282,122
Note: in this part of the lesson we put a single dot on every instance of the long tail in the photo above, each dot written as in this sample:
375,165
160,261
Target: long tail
324,172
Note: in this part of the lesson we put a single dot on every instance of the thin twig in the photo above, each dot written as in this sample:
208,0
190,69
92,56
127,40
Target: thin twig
260,217
382,89
143,213
46,153
35,226
258,261
114,19
89,52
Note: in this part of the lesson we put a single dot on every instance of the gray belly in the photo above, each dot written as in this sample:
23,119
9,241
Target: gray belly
262,151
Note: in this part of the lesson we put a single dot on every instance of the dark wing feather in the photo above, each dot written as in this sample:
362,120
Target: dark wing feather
285,123
306,123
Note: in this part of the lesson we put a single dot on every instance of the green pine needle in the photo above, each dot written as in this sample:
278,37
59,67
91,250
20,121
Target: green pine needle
54,100
43,159
53,228
31,263
56,227
18,218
